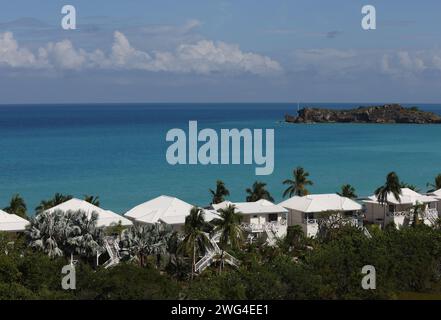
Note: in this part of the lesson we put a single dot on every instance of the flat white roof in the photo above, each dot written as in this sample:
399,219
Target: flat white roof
407,196
258,207
165,209
106,218
12,222
321,203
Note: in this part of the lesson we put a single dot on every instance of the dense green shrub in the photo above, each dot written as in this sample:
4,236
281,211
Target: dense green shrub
126,281
406,261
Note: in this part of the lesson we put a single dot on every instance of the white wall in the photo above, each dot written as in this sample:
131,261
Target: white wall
295,218
260,218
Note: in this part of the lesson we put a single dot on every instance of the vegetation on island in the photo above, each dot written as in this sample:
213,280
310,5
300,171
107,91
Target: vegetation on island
158,263
383,114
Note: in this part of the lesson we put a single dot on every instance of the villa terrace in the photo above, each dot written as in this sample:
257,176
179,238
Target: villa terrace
307,210
400,211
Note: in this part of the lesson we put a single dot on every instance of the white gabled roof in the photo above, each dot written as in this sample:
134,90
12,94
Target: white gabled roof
165,209
12,222
258,207
106,218
321,203
222,205
436,194
211,215
407,196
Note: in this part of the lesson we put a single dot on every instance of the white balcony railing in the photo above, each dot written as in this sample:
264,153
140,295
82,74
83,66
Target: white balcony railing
355,221
262,227
410,212
399,213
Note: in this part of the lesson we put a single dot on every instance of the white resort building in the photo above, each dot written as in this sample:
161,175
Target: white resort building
12,223
400,211
437,195
305,211
261,216
169,210
106,218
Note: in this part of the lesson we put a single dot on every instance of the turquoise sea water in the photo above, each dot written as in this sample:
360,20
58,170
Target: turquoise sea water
117,151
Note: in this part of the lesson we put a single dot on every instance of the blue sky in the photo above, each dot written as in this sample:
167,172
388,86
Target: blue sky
242,51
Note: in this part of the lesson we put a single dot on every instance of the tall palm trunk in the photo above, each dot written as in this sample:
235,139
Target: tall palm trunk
221,265
193,267
141,260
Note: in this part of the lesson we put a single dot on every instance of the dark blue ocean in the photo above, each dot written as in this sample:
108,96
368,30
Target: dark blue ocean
117,151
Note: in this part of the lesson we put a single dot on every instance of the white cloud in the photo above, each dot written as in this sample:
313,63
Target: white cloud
208,56
202,57
333,63
330,62
407,64
13,56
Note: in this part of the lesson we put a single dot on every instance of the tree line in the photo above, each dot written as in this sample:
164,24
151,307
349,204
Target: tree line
158,263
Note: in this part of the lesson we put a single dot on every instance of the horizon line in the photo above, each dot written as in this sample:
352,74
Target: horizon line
211,102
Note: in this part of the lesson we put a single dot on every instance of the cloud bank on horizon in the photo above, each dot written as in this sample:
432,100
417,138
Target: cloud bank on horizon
203,57
209,57
220,51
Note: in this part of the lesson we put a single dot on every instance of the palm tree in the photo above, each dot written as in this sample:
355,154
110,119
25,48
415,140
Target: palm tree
220,193
228,225
85,238
95,200
437,185
61,233
196,240
44,205
391,186
293,241
17,206
418,211
409,186
142,240
177,265
58,198
297,186
162,236
115,229
46,233
258,192
348,191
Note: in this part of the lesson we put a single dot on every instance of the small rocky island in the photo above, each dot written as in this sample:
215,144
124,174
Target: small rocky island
389,113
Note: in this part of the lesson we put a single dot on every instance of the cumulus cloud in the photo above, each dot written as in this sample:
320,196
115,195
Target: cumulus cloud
333,63
329,62
12,55
409,64
202,57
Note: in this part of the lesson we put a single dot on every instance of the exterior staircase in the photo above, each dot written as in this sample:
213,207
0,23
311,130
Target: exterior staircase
214,254
429,217
366,232
271,235
113,250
